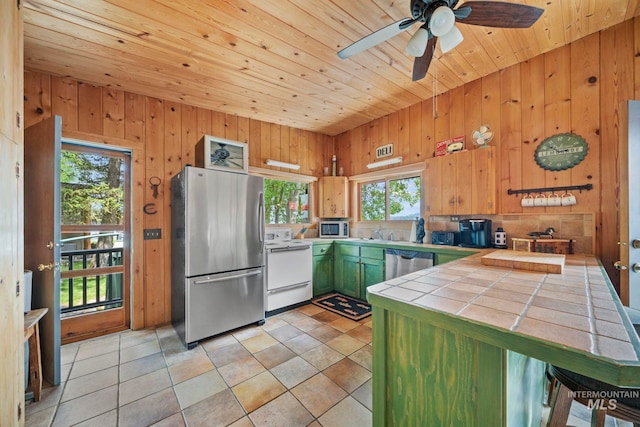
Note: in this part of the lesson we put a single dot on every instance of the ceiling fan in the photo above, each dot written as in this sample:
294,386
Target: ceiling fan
439,17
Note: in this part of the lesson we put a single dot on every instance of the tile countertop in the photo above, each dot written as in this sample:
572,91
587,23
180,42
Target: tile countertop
573,319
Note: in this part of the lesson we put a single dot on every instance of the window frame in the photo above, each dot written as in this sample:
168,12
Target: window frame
386,175
291,177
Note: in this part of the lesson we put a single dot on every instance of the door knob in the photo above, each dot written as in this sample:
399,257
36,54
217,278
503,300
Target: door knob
618,265
50,245
636,268
42,267
635,243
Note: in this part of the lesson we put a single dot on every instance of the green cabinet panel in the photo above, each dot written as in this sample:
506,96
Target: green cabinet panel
370,252
322,268
444,258
347,275
371,272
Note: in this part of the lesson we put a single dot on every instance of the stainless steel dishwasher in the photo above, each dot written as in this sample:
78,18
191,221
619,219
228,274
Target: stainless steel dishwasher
399,262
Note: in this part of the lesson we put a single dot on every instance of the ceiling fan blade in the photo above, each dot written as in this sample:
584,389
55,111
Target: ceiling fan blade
421,64
500,14
377,37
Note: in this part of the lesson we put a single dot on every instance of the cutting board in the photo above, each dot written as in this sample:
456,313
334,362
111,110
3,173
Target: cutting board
532,261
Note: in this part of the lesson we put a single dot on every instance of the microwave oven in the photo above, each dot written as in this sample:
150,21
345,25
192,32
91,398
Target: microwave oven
333,229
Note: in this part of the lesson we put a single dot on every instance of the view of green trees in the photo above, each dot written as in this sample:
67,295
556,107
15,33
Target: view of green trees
404,199
286,202
92,190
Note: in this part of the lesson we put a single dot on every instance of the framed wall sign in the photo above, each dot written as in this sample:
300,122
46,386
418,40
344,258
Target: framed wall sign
561,152
223,154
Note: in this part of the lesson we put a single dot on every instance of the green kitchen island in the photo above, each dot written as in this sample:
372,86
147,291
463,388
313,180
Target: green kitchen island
464,344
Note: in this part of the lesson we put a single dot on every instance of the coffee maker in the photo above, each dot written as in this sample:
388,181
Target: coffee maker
475,233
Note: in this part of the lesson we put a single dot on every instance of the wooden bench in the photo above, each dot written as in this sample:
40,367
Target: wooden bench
32,333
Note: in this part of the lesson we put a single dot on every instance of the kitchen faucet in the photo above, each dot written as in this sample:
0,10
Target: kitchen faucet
378,233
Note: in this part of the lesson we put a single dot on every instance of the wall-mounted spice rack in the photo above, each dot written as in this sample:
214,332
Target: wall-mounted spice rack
551,189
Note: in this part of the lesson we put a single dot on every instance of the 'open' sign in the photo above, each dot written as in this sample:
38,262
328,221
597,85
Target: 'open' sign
384,151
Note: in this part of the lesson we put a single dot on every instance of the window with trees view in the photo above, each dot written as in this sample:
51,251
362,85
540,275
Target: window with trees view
286,202
393,199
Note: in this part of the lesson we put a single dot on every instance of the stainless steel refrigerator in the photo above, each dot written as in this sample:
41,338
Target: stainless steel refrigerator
217,252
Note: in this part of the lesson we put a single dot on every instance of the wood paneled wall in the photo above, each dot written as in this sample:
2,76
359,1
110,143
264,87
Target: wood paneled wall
576,88
163,136
12,289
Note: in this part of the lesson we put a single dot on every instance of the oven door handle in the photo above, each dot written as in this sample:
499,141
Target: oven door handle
288,288
291,248
222,279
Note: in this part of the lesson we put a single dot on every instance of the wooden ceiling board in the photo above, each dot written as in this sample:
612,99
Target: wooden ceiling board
275,60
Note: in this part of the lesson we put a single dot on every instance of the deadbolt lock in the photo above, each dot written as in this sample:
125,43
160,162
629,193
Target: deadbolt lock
636,268
42,267
618,265
635,243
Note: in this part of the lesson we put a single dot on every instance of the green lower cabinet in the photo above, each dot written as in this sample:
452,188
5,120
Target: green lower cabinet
444,258
348,274
428,373
371,272
322,268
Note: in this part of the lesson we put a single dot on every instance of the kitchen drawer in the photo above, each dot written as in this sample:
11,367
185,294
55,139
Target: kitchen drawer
373,253
349,250
322,249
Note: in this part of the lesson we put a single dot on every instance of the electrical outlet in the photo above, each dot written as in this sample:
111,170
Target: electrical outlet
455,218
152,233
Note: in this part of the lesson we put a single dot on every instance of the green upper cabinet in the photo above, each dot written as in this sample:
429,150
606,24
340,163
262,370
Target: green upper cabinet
322,268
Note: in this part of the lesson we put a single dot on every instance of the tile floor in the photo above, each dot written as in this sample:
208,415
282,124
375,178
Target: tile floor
304,367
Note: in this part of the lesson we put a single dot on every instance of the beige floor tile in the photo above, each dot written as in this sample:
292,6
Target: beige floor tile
326,316
307,324
259,342
361,333
98,347
294,371
364,394
347,413
347,374
345,344
285,333
86,407
49,398
324,333
141,366
363,357
237,372
343,324
89,383
273,323
318,394
242,422
140,350
199,388
228,354
302,343
189,368
274,355
258,390
175,420
144,385
94,364
322,357
109,419
247,332
285,410
311,309
221,409
68,353
132,338
292,316
214,344
175,357
41,418
149,410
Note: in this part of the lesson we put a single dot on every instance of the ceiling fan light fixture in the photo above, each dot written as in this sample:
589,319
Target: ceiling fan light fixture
450,40
418,42
442,20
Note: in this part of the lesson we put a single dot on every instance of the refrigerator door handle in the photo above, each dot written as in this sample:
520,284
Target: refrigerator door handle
222,279
261,219
288,288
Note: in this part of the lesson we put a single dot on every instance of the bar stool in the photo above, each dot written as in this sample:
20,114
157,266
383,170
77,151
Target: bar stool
624,408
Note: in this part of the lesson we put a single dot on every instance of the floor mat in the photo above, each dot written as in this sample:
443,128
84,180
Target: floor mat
343,305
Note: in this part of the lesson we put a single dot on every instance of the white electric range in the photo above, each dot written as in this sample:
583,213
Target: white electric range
289,269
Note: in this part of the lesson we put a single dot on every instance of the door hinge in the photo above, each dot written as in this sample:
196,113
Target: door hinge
18,120
18,4
19,410
18,288
17,169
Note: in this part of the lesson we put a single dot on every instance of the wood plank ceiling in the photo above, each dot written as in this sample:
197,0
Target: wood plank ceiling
275,60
